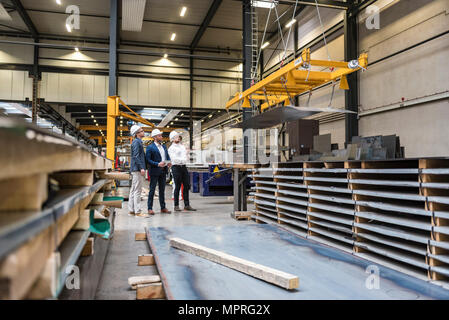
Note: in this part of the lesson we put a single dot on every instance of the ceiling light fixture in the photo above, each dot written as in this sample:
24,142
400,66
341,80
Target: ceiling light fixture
76,49
165,56
58,2
89,111
92,116
290,23
265,4
266,44
183,11
173,36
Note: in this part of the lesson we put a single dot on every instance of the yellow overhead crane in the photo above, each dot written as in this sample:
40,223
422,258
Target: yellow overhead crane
295,78
113,111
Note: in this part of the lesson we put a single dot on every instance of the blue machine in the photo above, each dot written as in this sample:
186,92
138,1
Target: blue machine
194,182
221,185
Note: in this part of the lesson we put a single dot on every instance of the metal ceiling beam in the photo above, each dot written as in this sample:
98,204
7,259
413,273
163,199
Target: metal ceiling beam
321,3
207,19
26,19
144,20
48,36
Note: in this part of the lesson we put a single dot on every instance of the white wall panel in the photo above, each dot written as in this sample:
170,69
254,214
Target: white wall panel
143,92
88,89
100,90
164,93
155,92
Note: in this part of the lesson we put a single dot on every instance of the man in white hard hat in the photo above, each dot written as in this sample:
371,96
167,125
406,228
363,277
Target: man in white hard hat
137,169
158,160
178,156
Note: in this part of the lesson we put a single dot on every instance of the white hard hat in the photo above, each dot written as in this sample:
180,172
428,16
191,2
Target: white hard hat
134,129
155,132
173,134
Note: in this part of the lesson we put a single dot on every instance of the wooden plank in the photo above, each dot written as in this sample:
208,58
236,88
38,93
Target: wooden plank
25,193
150,291
114,175
20,269
45,286
74,178
88,249
140,236
145,260
138,280
279,278
66,223
27,151
83,222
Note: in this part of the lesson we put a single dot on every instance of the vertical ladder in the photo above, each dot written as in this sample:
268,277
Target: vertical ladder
254,43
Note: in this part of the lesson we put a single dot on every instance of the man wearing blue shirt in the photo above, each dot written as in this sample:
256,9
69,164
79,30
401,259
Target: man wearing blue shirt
158,160
137,169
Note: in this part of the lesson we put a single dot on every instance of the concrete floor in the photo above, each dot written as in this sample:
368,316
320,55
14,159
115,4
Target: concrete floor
121,261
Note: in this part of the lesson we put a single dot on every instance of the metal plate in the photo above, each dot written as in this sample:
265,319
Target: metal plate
280,115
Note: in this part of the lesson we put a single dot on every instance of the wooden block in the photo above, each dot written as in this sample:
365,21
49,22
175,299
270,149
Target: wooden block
279,278
137,280
88,249
21,268
46,285
140,236
145,260
115,175
83,222
97,198
150,291
74,178
66,223
26,193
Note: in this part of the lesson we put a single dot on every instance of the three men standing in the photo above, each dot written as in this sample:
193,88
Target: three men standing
178,155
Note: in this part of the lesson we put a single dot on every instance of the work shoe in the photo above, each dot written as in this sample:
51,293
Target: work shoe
189,208
165,211
177,208
151,212
142,215
131,213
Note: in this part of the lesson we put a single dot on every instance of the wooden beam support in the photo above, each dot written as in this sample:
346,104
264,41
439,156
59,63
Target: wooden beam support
140,236
150,291
145,260
279,278
88,249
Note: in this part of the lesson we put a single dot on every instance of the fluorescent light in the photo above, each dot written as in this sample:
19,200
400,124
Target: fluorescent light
58,2
69,29
182,114
165,56
176,119
76,49
210,116
172,122
89,111
168,126
183,11
291,22
266,44
265,4
96,124
173,36
95,120
92,116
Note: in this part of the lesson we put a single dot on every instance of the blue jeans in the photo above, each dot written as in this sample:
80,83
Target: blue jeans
160,179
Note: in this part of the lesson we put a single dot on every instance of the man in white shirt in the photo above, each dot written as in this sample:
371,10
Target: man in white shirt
178,156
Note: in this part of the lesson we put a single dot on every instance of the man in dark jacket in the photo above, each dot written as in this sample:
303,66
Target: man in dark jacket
158,161
137,169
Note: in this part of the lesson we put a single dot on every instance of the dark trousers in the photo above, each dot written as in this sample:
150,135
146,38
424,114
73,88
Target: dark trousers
160,179
181,176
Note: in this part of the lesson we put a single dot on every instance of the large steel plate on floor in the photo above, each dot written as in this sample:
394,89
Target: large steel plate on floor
324,272
280,115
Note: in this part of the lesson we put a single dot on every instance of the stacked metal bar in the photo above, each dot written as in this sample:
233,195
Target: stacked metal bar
395,213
